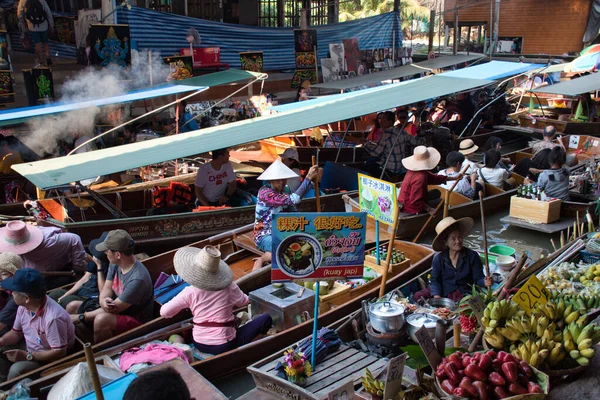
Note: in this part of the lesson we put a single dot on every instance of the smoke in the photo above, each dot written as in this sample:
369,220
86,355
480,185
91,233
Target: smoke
91,83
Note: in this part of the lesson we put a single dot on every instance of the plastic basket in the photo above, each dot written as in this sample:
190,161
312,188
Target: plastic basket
589,258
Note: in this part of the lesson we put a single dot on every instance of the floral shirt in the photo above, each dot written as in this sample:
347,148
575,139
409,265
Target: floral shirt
271,202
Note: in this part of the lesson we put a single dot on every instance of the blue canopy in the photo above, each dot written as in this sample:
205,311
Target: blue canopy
492,70
18,114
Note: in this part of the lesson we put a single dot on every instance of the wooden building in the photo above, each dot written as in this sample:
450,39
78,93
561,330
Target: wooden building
551,27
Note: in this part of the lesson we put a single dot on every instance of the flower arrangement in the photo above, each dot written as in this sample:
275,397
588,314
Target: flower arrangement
297,368
468,321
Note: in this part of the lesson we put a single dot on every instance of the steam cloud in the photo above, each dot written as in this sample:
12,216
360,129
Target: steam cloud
92,83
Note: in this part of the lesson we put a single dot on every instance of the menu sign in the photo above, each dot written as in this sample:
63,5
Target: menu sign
316,246
377,198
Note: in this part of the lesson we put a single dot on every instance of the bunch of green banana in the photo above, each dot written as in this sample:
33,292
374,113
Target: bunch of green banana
373,385
578,340
535,353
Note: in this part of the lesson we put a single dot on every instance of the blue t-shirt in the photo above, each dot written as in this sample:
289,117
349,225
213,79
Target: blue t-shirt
192,126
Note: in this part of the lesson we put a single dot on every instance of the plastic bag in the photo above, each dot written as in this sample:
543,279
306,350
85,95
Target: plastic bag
78,381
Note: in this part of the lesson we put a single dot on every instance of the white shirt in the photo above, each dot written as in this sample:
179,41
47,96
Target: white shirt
494,176
214,183
472,167
463,186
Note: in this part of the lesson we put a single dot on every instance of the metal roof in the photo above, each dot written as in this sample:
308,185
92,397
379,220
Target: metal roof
493,70
573,87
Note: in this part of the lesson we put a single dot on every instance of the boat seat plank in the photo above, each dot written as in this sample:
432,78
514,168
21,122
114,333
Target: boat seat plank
375,369
270,366
246,241
241,267
354,370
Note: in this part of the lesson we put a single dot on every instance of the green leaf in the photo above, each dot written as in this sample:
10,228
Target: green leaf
416,357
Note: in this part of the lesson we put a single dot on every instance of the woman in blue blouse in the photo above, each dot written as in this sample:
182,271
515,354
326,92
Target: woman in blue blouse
455,268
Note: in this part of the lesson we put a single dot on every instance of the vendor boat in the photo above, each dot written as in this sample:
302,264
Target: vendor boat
238,250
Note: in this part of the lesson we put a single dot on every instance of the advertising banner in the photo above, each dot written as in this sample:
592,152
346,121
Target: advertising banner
377,198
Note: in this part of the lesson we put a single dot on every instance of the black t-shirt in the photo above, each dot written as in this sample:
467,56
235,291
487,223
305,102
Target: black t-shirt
90,288
8,314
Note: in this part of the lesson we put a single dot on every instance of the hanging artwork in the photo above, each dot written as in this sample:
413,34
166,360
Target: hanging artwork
305,40
82,26
180,67
64,30
7,92
304,77
336,51
39,85
252,61
110,45
305,44
352,54
4,59
305,60
329,70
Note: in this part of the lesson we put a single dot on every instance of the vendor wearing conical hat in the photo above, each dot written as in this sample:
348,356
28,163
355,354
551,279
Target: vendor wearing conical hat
414,195
272,199
455,268
211,297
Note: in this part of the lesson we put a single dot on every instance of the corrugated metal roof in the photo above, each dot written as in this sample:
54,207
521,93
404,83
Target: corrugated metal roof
493,70
399,72
166,33
58,171
573,87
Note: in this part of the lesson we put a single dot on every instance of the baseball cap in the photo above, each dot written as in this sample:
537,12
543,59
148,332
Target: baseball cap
117,240
25,280
95,242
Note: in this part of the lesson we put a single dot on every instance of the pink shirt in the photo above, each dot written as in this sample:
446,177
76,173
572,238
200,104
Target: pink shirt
49,328
208,307
57,250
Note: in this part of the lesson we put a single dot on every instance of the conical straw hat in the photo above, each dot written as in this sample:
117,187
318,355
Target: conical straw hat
203,268
277,170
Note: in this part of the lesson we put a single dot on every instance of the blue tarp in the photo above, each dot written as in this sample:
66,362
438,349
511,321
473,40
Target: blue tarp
37,111
493,70
166,33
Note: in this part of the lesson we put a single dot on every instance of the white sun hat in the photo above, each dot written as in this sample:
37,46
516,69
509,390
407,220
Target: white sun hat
277,170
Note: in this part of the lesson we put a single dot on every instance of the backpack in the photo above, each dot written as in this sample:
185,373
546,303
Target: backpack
35,13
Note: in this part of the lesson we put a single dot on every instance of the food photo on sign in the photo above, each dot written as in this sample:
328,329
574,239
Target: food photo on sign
377,198
314,246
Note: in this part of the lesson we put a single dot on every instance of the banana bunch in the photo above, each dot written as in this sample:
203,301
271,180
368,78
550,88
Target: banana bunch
578,340
373,385
535,353
495,317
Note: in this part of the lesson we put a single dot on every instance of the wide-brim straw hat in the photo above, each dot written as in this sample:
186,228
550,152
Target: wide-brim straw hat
20,238
10,262
423,159
203,268
467,146
290,153
464,226
277,170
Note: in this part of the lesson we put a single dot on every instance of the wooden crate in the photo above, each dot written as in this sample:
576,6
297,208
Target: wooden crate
329,374
337,295
542,212
395,269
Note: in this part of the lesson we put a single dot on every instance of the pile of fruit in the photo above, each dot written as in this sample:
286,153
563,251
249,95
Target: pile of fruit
372,385
486,376
569,278
552,337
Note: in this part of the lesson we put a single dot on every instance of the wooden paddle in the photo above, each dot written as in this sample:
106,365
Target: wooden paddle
458,178
484,232
317,194
89,356
388,258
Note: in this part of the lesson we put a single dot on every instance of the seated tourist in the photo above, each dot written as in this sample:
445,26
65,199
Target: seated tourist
45,326
554,182
414,196
272,200
468,185
495,143
126,300
467,147
44,249
455,268
211,298
9,264
216,183
83,295
492,173
531,167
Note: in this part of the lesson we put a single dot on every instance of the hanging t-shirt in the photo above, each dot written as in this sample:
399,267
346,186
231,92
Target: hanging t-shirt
214,183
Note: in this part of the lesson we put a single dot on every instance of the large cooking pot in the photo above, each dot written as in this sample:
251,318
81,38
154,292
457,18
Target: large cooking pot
417,320
442,302
386,317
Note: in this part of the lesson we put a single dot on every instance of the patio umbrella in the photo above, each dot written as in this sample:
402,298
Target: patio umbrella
595,48
586,63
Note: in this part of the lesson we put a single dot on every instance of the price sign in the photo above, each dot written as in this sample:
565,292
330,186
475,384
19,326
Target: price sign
477,306
428,347
393,380
532,293
343,392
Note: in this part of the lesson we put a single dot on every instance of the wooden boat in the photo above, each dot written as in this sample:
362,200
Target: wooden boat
238,359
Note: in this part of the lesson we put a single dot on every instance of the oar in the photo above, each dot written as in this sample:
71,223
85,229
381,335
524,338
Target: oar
388,258
484,232
317,194
458,178
89,356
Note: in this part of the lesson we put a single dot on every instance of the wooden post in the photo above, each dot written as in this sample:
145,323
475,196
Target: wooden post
431,29
456,32
484,232
89,356
388,258
496,23
317,194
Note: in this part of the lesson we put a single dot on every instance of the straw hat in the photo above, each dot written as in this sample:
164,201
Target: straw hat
464,225
203,268
423,159
467,146
277,170
10,262
292,153
19,237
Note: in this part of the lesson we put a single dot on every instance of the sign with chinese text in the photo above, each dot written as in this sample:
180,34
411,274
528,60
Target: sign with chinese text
531,293
316,246
377,198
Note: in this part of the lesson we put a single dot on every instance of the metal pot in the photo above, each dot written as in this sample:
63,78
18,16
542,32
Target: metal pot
417,320
386,317
442,302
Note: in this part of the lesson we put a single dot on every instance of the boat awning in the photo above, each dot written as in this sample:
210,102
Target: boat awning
573,87
221,78
399,72
493,70
59,171
17,115
550,69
